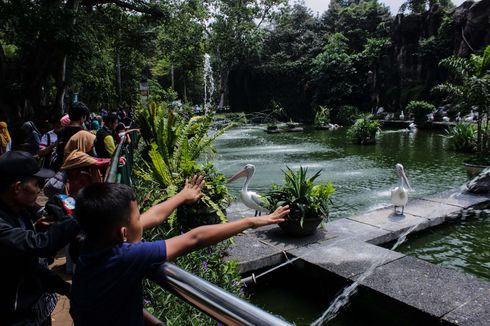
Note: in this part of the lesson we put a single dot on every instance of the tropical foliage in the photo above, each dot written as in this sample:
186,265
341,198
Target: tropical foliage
176,147
420,110
364,130
322,116
305,198
463,137
174,144
470,90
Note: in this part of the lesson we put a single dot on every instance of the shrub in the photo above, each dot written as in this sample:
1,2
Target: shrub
364,130
420,110
322,116
463,137
344,115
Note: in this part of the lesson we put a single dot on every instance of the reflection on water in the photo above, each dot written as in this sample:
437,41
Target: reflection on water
362,175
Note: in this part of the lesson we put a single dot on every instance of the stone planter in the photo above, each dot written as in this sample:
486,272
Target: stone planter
310,225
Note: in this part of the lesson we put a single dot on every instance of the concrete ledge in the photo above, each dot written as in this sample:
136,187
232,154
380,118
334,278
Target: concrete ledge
475,312
253,255
347,258
347,248
457,198
430,288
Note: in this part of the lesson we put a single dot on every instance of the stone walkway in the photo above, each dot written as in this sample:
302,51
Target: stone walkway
348,247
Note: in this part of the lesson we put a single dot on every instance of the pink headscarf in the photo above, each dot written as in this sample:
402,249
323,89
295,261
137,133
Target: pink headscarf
65,120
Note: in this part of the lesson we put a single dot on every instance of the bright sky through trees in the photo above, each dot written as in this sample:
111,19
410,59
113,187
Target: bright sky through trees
322,5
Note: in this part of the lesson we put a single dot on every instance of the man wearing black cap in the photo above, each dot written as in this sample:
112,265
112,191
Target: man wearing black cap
24,281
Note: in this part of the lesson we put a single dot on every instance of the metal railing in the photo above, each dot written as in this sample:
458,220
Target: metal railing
211,299
207,297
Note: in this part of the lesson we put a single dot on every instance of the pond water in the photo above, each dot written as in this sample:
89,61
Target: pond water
463,244
362,175
301,292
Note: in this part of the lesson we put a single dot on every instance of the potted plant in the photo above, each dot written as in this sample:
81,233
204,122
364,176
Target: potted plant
308,202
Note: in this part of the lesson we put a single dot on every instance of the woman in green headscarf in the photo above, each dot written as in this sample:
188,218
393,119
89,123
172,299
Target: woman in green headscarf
5,140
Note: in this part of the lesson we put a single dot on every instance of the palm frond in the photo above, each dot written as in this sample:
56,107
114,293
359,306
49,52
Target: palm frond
216,207
159,167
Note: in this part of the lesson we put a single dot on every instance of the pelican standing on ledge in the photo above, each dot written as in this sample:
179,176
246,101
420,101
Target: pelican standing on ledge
399,194
249,198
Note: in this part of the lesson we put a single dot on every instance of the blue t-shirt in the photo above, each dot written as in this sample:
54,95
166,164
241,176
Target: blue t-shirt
107,285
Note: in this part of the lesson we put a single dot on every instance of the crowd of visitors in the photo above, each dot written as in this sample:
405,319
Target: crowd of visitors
101,221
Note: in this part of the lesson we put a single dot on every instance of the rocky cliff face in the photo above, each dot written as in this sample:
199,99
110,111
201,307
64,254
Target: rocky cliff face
420,41
472,26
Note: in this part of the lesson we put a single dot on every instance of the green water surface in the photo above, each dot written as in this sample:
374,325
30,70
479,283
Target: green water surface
362,175
462,244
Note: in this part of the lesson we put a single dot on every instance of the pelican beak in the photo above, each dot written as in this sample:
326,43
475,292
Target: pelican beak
405,179
242,173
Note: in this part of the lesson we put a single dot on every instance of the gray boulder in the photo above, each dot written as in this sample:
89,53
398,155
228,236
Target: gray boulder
481,183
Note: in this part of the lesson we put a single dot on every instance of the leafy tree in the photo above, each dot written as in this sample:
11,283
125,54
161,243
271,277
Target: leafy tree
235,34
470,89
181,46
421,6
47,36
333,72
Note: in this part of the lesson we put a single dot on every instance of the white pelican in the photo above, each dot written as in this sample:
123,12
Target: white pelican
249,198
399,194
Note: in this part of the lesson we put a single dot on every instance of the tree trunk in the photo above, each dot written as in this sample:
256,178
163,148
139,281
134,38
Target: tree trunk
60,85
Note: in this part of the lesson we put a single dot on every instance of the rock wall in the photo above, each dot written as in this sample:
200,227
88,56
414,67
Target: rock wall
472,26
416,68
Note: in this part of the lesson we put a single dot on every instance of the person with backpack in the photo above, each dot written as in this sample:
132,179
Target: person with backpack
104,144
48,143
78,114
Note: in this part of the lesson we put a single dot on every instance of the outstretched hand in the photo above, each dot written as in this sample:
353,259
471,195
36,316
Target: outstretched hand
274,218
192,190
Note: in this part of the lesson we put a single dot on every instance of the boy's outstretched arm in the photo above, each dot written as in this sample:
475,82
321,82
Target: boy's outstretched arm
159,213
204,236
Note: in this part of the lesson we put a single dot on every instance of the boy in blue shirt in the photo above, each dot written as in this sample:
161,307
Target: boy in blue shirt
107,284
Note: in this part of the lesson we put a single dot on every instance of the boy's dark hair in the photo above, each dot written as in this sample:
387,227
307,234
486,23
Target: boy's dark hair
120,127
102,207
78,111
110,118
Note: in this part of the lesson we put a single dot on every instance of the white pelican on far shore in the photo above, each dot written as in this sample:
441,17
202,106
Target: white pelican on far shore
249,198
399,194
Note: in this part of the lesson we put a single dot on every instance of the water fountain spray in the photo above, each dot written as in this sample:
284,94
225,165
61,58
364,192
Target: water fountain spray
208,82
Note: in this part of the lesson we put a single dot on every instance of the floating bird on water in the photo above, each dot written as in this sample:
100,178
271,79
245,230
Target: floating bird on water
399,194
249,198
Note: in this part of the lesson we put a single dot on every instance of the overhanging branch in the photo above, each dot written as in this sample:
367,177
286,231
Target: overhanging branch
137,6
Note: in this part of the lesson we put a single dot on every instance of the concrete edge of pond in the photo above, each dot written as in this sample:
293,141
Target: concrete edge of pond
349,246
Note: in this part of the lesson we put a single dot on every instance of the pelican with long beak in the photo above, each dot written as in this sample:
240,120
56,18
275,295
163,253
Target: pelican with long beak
399,194
249,198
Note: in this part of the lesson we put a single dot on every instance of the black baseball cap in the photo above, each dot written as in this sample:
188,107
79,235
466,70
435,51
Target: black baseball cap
17,165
